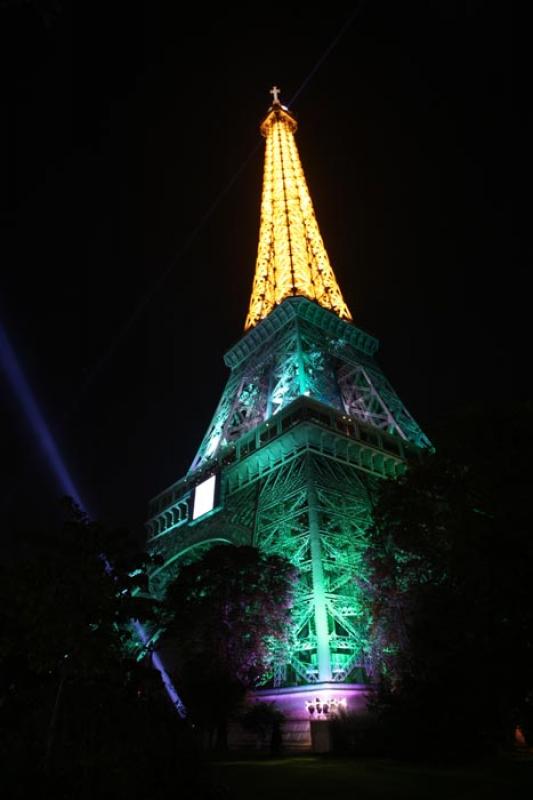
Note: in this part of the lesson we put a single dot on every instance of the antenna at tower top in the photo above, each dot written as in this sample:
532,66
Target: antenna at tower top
275,94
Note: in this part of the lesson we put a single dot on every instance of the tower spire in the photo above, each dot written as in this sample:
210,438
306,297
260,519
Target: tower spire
291,257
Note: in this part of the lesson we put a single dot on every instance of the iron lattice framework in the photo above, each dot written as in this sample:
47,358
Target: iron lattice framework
314,511
303,350
291,257
305,427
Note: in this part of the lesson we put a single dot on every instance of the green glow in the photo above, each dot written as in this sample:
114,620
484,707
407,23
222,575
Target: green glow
306,356
315,512
319,583
306,426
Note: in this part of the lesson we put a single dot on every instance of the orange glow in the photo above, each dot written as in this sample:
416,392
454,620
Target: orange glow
291,257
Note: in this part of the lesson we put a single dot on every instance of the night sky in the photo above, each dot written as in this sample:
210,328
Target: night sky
131,216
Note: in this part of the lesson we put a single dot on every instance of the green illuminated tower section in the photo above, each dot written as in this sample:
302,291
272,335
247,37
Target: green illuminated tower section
306,426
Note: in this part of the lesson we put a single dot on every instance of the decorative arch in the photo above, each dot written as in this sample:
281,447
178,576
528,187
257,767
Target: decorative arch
181,553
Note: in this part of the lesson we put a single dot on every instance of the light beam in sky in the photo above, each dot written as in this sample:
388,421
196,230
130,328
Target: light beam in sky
22,391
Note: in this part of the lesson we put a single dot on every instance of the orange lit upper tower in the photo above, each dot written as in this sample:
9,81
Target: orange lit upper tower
291,257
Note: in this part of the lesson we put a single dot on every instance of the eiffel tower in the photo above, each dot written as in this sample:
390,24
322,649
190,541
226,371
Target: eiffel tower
306,426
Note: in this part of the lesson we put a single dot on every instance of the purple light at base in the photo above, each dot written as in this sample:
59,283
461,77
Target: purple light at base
21,389
296,702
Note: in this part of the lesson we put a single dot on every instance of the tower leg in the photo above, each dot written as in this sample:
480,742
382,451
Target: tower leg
319,584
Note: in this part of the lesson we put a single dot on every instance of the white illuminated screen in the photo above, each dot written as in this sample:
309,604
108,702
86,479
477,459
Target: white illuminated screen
204,497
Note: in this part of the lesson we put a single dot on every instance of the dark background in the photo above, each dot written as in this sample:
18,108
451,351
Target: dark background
124,125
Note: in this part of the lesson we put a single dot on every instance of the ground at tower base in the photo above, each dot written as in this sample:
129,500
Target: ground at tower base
318,777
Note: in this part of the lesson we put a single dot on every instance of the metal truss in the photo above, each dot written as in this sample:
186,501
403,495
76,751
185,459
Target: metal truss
291,257
303,358
316,498
306,426
314,509
179,545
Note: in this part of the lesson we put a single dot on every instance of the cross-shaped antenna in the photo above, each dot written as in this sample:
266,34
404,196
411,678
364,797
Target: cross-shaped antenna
275,93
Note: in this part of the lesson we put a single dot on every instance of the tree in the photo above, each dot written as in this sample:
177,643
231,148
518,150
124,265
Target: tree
230,613
265,720
81,715
450,561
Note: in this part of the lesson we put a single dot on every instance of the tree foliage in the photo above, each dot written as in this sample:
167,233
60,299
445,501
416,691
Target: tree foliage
230,614
265,720
450,561
80,715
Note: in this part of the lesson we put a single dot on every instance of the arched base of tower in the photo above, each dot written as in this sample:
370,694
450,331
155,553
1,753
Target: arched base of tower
300,702
307,712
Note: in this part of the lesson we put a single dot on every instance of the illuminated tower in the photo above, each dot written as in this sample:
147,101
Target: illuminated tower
305,427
